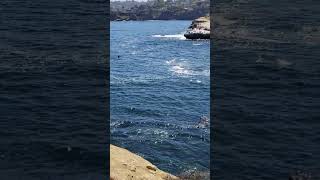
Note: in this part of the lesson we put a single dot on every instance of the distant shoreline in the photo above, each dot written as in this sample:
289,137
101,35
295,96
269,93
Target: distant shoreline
164,19
153,20
160,10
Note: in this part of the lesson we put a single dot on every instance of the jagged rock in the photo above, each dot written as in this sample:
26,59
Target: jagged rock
125,165
199,29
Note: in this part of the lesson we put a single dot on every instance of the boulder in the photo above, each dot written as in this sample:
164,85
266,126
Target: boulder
199,29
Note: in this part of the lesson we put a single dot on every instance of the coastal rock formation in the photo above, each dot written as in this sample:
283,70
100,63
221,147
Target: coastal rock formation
199,29
125,165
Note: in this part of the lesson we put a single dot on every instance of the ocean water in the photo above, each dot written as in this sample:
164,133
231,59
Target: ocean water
53,114
266,89
160,90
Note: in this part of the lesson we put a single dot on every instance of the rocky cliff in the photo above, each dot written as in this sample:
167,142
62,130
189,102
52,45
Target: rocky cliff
125,165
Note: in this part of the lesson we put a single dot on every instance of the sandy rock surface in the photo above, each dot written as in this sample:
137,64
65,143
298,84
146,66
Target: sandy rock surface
125,165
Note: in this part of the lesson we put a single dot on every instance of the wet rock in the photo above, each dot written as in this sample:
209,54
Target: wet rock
204,122
195,175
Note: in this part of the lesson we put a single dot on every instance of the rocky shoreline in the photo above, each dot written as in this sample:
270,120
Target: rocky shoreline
125,165
199,28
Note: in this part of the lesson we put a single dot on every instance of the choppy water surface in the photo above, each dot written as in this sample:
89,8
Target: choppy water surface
159,92
53,115
266,89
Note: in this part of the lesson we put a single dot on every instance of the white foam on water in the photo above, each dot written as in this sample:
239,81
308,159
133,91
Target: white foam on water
170,36
115,80
179,67
182,68
195,81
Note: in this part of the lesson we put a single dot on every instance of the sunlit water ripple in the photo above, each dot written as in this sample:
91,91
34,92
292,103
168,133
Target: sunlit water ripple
159,92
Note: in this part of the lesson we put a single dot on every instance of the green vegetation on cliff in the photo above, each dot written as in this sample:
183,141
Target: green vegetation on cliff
159,9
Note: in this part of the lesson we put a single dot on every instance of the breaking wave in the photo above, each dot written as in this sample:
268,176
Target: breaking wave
183,68
171,36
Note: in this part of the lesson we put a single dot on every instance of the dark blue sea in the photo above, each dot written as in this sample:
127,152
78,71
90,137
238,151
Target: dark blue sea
266,89
53,90
160,91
